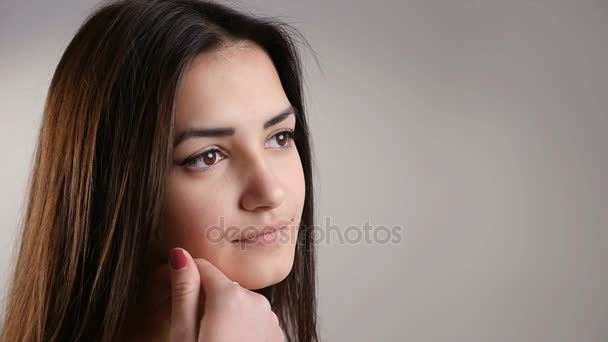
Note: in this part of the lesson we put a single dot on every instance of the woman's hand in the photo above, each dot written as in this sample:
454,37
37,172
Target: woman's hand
229,311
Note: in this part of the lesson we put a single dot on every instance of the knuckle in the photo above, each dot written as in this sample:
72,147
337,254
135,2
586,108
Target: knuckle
275,319
183,290
233,298
261,301
233,292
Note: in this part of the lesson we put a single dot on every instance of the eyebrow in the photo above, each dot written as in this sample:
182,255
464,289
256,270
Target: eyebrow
228,131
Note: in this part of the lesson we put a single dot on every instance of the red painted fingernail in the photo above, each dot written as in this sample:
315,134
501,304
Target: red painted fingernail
177,258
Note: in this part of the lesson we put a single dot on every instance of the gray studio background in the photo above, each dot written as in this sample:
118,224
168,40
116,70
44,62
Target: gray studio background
479,127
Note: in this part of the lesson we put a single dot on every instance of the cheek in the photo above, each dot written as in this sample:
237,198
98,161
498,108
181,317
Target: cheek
197,212
192,214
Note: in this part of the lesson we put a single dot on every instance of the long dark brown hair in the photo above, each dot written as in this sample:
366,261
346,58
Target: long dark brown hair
104,150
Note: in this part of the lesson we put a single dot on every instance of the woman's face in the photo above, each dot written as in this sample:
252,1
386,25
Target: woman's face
246,176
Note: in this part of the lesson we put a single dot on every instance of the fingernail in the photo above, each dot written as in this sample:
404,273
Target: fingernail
177,258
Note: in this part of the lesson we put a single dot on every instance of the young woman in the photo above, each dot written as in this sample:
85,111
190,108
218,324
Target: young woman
171,196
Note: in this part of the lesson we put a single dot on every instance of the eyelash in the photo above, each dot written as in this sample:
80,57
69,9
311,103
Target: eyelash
192,160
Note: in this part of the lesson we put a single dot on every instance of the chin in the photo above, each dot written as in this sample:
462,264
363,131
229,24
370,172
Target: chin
258,275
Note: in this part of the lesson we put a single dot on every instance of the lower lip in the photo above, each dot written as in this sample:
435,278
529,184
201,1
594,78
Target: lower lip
265,240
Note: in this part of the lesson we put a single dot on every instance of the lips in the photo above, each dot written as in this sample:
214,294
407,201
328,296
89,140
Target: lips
252,232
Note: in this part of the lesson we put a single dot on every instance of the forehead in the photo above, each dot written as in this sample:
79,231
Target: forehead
234,85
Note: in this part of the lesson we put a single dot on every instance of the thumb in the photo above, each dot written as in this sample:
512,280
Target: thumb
185,288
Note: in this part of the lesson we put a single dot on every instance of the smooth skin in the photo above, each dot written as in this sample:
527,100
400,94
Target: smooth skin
252,177
198,302
231,313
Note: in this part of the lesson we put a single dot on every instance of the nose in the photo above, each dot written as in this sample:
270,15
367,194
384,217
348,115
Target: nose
263,189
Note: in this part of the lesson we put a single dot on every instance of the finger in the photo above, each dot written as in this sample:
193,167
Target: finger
185,288
211,277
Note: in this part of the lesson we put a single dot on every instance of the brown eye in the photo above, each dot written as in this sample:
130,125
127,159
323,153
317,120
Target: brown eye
209,158
204,160
282,138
